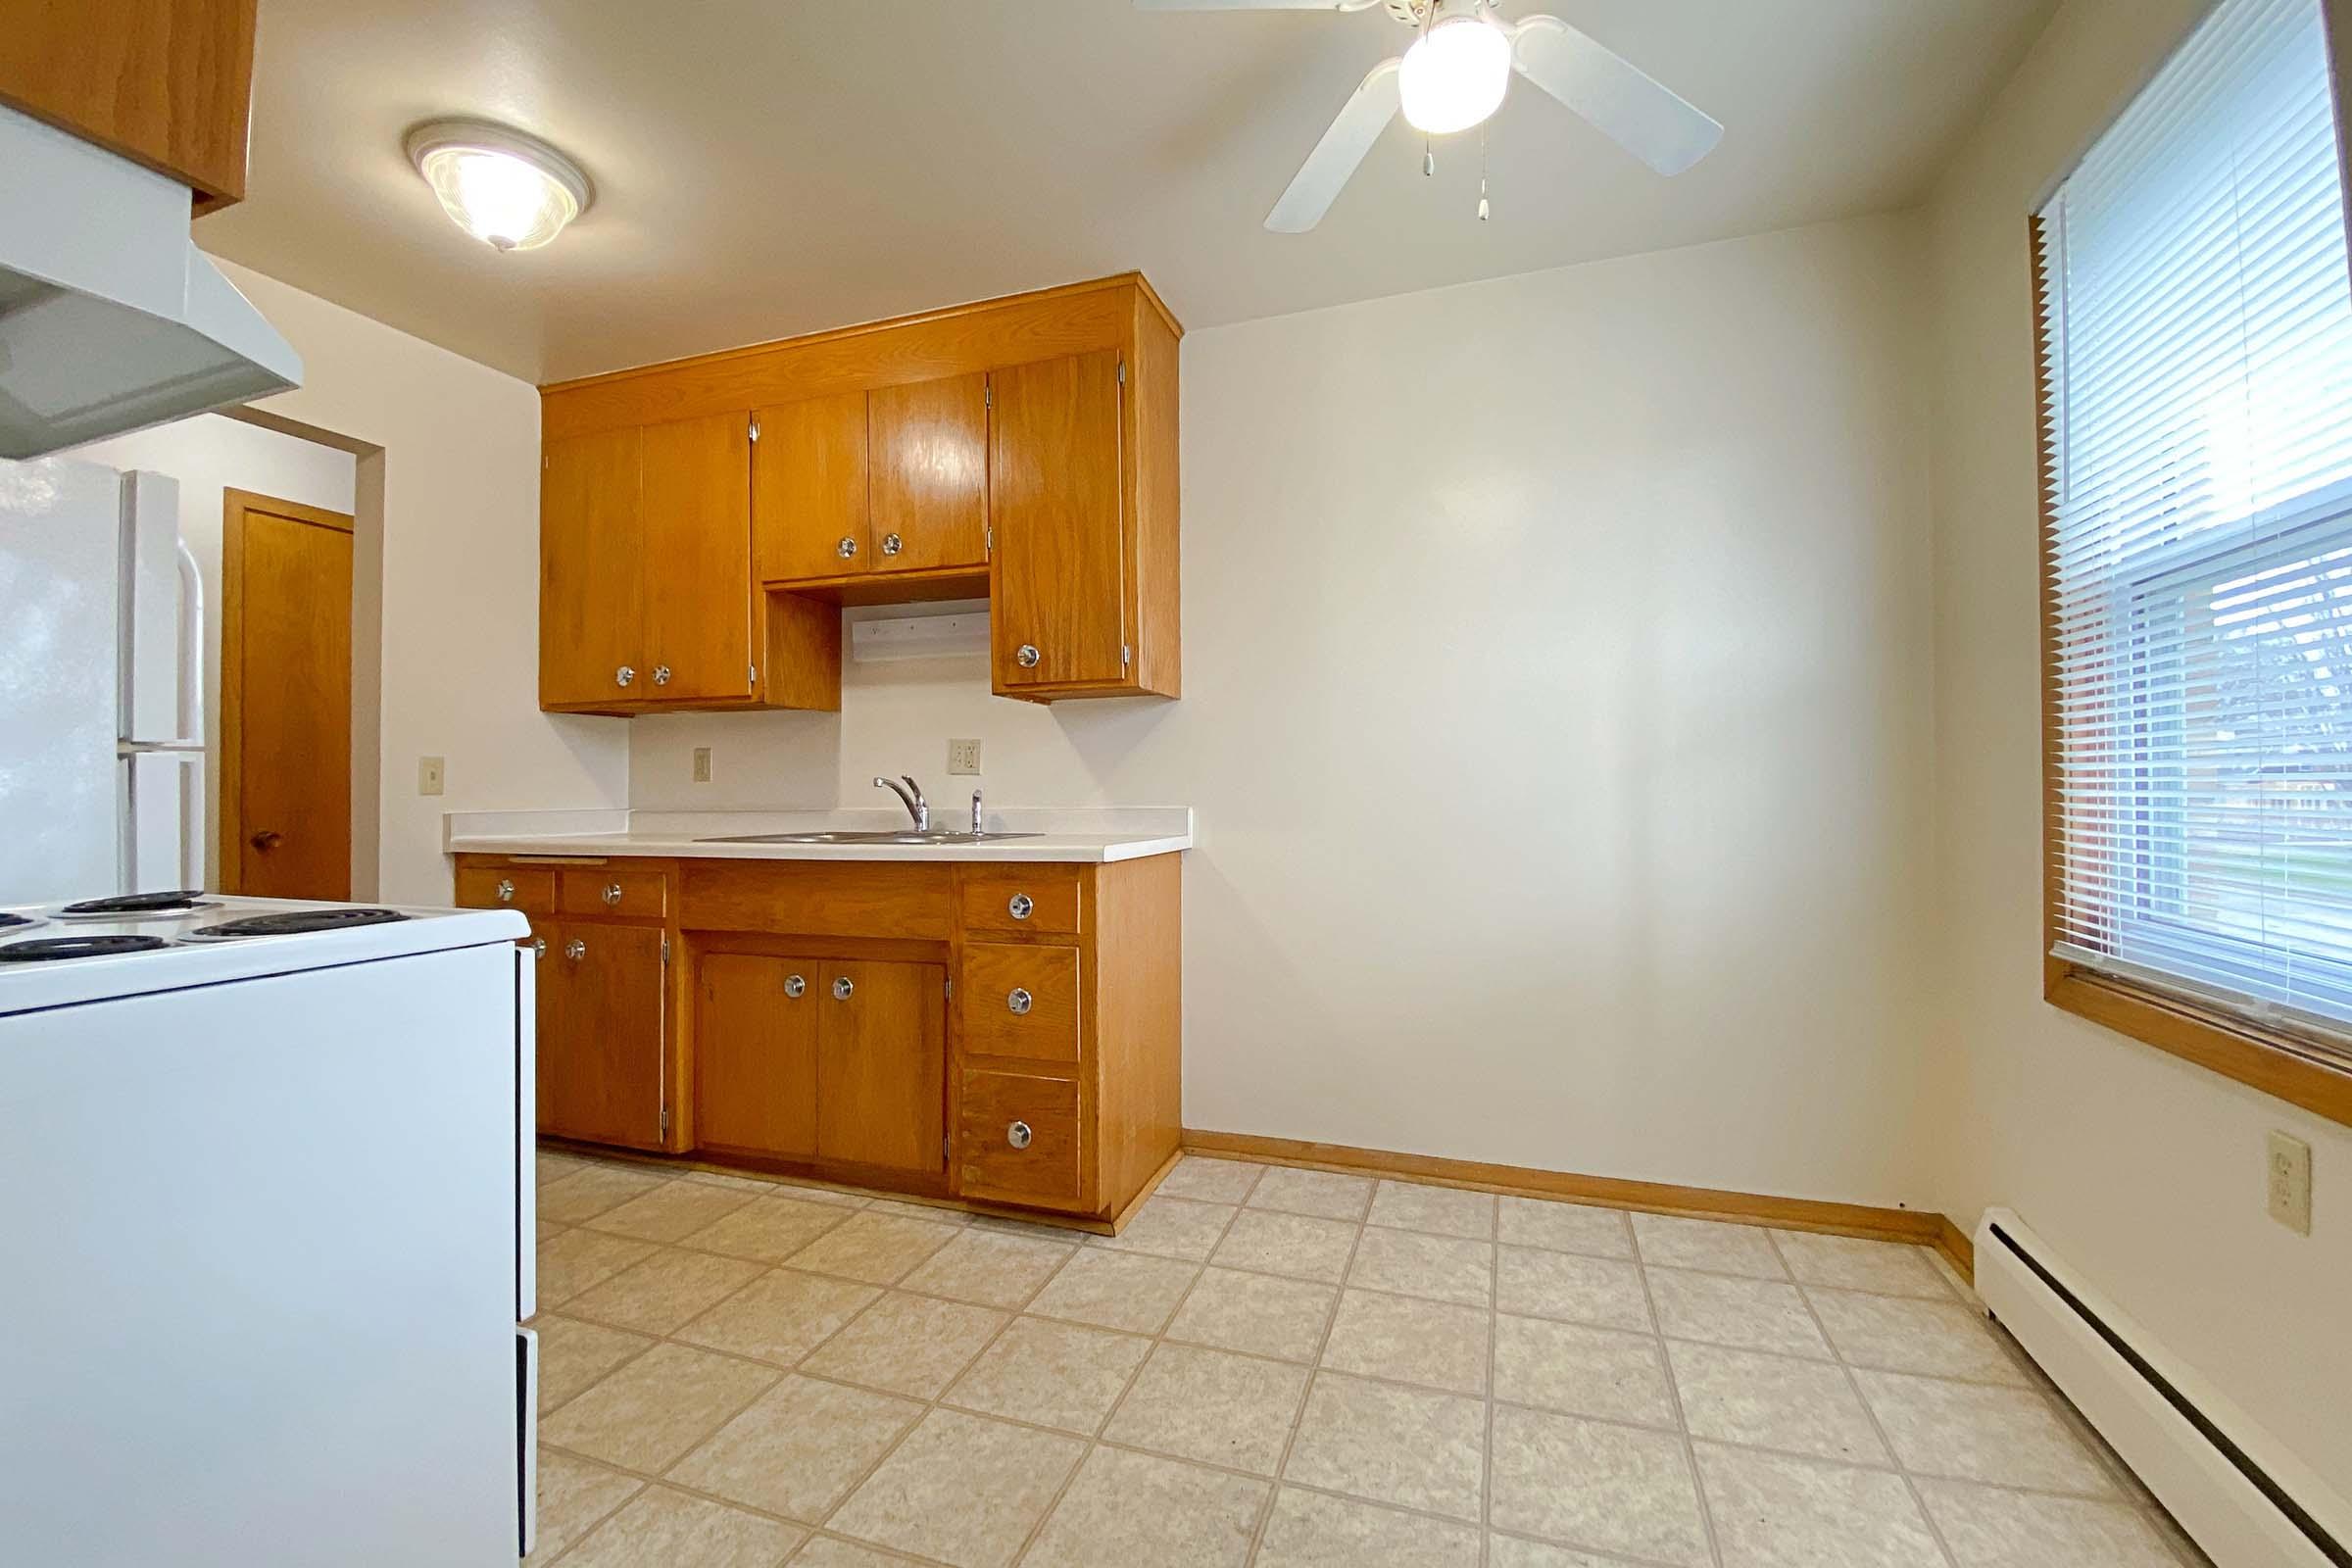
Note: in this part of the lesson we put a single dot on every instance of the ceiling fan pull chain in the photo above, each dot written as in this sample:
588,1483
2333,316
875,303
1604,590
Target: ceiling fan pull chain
1481,174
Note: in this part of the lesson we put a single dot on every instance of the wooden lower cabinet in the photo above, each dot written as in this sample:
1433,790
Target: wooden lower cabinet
1006,1035
600,1033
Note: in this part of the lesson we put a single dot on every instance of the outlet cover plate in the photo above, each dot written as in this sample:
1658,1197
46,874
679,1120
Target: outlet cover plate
2289,1172
701,764
963,756
428,775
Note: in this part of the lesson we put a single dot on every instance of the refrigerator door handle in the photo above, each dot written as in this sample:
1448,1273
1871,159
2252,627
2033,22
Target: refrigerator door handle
191,648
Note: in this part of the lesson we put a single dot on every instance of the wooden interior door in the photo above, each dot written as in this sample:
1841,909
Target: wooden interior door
881,1064
285,699
755,1054
930,473
1057,572
591,607
695,512
600,1066
809,489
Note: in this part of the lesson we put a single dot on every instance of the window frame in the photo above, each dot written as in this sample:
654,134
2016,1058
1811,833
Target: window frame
2210,1034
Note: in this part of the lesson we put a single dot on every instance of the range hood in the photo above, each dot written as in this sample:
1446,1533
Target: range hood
111,320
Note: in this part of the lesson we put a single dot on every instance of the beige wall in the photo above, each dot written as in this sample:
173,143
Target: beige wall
459,476
1554,710
208,454
2147,1173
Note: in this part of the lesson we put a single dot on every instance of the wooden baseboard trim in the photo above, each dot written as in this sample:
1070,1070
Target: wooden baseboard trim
1958,1250
1915,1226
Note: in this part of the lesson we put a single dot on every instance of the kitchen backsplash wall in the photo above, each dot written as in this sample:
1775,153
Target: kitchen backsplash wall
1551,645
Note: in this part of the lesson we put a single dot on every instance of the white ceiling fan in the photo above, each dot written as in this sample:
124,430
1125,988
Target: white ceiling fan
1453,75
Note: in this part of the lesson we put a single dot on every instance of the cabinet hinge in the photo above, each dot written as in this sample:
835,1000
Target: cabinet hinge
666,1120
1122,373
1126,655
751,674
944,1150
754,429
988,540
951,986
988,394
665,947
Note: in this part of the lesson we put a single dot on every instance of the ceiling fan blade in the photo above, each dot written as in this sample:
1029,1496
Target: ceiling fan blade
1623,102
1328,168
1254,4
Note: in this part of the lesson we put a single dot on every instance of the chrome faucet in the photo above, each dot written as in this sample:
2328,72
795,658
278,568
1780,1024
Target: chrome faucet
911,797
977,830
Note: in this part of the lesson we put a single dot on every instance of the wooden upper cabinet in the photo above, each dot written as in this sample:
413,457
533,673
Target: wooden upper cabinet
694,500
1060,584
168,83
809,488
929,486
888,456
591,611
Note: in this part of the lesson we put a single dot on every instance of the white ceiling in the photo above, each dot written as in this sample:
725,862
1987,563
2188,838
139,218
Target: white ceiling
771,167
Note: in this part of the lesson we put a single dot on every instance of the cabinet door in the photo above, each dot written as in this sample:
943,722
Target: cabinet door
1058,572
809,489
881,1065
755,1054
930,473
600,1060
591,609
694,502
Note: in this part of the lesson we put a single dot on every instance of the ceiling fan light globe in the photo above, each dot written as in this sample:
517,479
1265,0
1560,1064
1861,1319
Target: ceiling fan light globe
1454,75
508,190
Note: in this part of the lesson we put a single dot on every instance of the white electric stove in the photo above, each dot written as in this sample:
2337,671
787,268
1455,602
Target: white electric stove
267,1195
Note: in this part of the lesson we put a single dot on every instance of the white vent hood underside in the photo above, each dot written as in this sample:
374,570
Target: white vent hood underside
111,320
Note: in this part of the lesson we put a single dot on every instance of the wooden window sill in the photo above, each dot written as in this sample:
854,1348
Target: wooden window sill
2275,1063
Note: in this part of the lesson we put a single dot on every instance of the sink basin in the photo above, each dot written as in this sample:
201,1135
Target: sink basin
900,836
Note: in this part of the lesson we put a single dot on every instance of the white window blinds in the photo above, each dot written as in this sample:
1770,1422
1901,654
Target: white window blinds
2197,339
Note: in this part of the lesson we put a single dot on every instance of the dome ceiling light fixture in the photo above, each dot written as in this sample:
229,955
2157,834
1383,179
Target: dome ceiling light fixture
509,190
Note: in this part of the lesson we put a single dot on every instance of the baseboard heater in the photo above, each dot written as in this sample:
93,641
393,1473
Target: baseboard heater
2240,1494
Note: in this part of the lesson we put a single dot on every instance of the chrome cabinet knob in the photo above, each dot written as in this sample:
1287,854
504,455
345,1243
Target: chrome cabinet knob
538,947
1018,1135
892,544
794,986
623,675
575,949
660,674
611,893
842,987
505,891
1019,1000
847,548
1019,905
1026,656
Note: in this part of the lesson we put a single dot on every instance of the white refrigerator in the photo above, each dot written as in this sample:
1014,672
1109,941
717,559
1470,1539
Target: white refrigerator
102,773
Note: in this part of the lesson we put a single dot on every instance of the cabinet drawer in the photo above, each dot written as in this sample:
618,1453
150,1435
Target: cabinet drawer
528,888
626,890
1017,1140
1019,999
816,898
1021,897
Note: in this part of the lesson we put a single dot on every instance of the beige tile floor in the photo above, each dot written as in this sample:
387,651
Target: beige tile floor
1288,1369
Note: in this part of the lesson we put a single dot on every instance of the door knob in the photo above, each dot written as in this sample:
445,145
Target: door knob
575,949
505,891
1019,905
1018,1000
892,544
266,840
847,548
794,984
1027,657
623,675
611,893
660,674
1018,1135
538,947
842,987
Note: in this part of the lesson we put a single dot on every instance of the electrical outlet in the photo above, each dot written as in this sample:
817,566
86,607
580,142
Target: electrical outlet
2290,1183
963,756
428,775
701,764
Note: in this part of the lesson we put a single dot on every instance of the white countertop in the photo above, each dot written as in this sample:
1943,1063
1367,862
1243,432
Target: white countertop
1100,836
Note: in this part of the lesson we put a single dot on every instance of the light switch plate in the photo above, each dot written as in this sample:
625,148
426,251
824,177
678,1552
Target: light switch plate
428,775
2290,1183
963,756
701,764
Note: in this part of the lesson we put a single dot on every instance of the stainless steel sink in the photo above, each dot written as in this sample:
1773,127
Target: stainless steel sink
899,836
